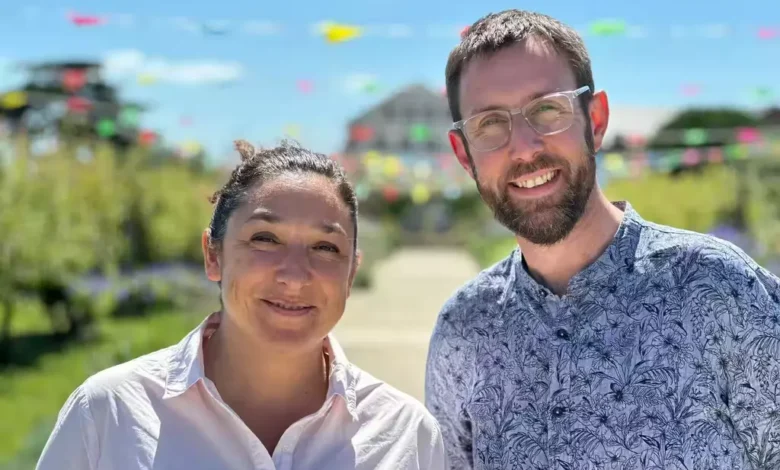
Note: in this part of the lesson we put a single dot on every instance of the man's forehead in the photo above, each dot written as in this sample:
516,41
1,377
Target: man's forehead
513,76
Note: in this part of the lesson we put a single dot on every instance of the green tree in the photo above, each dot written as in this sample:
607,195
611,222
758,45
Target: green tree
696,127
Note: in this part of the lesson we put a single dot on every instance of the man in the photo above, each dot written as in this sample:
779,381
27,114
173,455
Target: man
604,341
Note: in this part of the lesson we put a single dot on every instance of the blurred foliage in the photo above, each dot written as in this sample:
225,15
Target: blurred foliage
376,241
66,216
697,201
31,398
763,211
702,119
692,201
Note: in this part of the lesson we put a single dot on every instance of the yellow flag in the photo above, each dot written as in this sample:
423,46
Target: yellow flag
14,100
336,33
293,130
146,79
420,194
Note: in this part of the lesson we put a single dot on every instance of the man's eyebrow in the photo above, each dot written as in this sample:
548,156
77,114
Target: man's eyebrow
493,107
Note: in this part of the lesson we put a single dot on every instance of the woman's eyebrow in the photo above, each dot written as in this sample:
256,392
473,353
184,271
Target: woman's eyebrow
264,215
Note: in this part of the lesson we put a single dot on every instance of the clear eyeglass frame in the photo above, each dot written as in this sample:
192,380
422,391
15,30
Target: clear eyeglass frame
570,95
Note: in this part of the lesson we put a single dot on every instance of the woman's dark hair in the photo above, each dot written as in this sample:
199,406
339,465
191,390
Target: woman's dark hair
261,165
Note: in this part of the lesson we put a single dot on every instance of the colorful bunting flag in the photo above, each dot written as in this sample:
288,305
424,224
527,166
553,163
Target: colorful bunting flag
748,135
78,104
335,33
305,86
215,28
293,131
85,20
695,137
14,100
147,138
129,116
361,133
390,193
608,27
106,128
420,194
146,79
768,33
419,133
690,89
74,79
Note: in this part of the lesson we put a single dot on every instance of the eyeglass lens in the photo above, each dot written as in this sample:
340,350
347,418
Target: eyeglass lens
492,129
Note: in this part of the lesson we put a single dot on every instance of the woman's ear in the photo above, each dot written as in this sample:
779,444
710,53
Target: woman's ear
355,266
210,257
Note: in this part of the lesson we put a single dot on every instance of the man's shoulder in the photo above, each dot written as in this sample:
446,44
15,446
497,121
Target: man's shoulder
483,290
670,245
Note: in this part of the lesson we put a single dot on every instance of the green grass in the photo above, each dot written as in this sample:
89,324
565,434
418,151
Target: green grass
31,397
487,252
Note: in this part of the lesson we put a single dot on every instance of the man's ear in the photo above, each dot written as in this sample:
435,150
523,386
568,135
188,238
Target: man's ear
459,148
599,118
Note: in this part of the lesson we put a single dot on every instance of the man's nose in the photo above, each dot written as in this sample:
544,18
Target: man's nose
524,142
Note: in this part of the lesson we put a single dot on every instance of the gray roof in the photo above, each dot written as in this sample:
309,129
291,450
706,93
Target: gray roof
393,119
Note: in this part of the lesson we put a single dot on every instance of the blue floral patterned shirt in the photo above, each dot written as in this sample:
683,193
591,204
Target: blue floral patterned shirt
663,354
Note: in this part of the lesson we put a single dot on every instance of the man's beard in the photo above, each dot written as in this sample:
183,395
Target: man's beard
543,222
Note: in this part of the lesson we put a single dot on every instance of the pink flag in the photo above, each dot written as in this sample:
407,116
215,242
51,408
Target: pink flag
85,20
768,33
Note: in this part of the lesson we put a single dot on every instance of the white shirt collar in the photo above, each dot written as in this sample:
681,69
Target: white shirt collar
185,366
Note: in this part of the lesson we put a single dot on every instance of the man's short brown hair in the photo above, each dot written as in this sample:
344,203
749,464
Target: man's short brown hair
497,31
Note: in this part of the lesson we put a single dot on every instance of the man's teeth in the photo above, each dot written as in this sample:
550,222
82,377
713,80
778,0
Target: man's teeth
538,181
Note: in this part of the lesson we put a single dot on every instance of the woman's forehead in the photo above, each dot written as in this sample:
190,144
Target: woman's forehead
310,198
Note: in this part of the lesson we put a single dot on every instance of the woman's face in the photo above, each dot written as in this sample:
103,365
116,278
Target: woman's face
287,261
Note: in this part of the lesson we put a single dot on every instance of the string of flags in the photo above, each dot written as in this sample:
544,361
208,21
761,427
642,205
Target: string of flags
335,32
423,177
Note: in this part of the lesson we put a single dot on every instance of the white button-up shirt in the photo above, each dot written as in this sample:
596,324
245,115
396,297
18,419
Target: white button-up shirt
160,411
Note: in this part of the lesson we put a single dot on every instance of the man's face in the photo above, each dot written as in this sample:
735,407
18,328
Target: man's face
561,167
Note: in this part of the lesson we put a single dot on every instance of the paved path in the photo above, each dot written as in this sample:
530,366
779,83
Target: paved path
386,329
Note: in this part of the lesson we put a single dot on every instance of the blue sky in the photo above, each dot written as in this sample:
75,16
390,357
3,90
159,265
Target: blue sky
636,72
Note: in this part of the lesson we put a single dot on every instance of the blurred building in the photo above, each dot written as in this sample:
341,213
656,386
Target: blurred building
70,98
411,123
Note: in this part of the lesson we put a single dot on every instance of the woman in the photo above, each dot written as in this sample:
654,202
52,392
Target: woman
261,384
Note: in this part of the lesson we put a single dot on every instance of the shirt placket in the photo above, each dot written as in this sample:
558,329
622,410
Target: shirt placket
285,450
560,406
261,459
282,458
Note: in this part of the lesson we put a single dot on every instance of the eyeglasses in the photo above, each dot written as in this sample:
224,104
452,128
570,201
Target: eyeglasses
547,115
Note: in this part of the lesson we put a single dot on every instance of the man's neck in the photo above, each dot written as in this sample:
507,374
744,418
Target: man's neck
554,266
256,378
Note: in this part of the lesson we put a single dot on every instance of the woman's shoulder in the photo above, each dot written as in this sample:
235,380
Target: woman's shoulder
376,399
146,373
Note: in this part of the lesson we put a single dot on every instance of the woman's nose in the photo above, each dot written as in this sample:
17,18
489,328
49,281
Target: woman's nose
294,268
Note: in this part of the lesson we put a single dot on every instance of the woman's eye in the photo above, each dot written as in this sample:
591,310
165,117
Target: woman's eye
327,247
264,238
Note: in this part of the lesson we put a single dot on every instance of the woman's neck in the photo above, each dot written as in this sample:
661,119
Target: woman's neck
257,379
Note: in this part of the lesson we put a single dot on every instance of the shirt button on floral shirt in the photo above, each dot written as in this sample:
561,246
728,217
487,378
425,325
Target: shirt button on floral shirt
664,354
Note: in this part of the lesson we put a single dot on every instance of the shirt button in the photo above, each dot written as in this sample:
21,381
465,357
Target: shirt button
563,334
558,411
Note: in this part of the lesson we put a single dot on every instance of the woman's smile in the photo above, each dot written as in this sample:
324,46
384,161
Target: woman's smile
289,308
